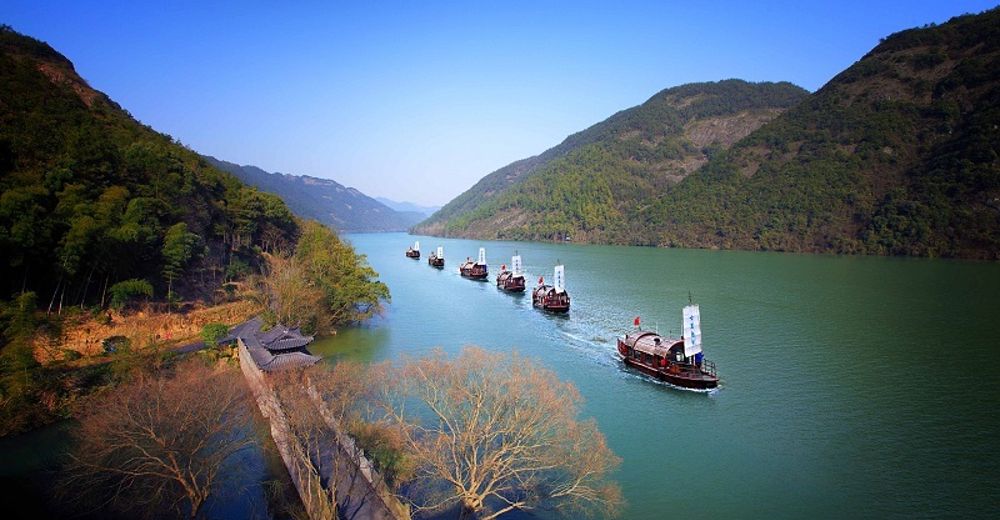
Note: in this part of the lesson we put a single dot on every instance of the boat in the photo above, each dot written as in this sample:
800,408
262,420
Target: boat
678,361
414,252
477,270
552,298
513,280
436,258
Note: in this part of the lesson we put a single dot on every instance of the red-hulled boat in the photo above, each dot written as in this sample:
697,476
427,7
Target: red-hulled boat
413,252
513,280
678,361
552,298
436,258
477,270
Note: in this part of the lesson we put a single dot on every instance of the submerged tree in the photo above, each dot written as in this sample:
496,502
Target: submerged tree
492,433
160,442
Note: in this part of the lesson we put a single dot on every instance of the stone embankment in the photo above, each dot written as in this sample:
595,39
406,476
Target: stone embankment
358,489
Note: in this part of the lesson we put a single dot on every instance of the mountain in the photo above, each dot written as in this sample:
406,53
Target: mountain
409,207
342,208
897,155
91,197
594,183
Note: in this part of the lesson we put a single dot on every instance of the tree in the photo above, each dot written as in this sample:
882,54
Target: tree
179,246
159,442
495,432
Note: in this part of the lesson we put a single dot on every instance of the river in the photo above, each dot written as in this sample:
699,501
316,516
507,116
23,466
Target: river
851,386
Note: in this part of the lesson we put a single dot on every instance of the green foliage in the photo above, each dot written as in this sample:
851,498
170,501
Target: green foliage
211,333
126,290
350,286
90,197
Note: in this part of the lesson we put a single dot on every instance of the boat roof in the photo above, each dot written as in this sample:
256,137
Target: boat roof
646,341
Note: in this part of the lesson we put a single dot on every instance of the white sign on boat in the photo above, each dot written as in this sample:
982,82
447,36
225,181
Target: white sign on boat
416,246
515,264
692,330
559,279
440,252
482,256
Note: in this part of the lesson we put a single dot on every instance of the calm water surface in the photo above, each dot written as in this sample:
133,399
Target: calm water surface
858,387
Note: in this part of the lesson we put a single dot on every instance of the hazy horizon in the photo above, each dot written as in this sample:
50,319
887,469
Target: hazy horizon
416,103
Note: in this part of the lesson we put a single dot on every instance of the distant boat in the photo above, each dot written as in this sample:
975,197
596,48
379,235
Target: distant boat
477,270
436,258
678,361
552,298
513,280
414,252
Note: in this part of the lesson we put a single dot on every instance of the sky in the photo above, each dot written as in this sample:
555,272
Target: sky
416,101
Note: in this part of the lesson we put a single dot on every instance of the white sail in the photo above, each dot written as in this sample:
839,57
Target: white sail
692,330
482,256
559,279
440,252
416,246
515,264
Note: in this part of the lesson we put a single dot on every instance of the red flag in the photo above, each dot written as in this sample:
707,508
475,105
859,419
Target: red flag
636,321
541,280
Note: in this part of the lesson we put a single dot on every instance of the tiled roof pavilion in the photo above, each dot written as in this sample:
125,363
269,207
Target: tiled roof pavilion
278,348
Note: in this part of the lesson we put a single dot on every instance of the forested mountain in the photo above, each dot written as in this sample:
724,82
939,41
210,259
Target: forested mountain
91,198
898,154
590,183
337,206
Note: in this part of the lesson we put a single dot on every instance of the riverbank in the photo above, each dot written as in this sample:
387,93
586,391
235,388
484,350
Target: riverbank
79,342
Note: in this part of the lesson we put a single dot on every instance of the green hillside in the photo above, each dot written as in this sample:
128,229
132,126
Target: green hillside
591,183
90,197
895,155
337,206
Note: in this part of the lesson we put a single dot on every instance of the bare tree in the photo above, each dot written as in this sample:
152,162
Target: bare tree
320,403
160,441
494,432
309,441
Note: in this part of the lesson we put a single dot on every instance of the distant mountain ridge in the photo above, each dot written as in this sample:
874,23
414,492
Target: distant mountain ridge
897,155
409,207
340,207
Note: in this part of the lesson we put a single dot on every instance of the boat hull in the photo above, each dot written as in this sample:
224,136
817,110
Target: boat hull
436,262
682,375
696,383
413,254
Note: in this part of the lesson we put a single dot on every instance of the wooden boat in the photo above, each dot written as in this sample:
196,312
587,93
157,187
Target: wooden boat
552,298
513,280
477,270
436,258
413,252
678,361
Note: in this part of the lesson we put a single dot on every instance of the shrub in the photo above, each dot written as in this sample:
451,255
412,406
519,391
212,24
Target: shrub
213,332
124,291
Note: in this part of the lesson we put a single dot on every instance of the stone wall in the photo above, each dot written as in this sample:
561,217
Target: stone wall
359,491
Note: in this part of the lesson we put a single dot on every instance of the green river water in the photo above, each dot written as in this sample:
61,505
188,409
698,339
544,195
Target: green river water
851,386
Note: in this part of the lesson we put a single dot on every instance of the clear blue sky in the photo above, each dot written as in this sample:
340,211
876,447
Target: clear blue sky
418,100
